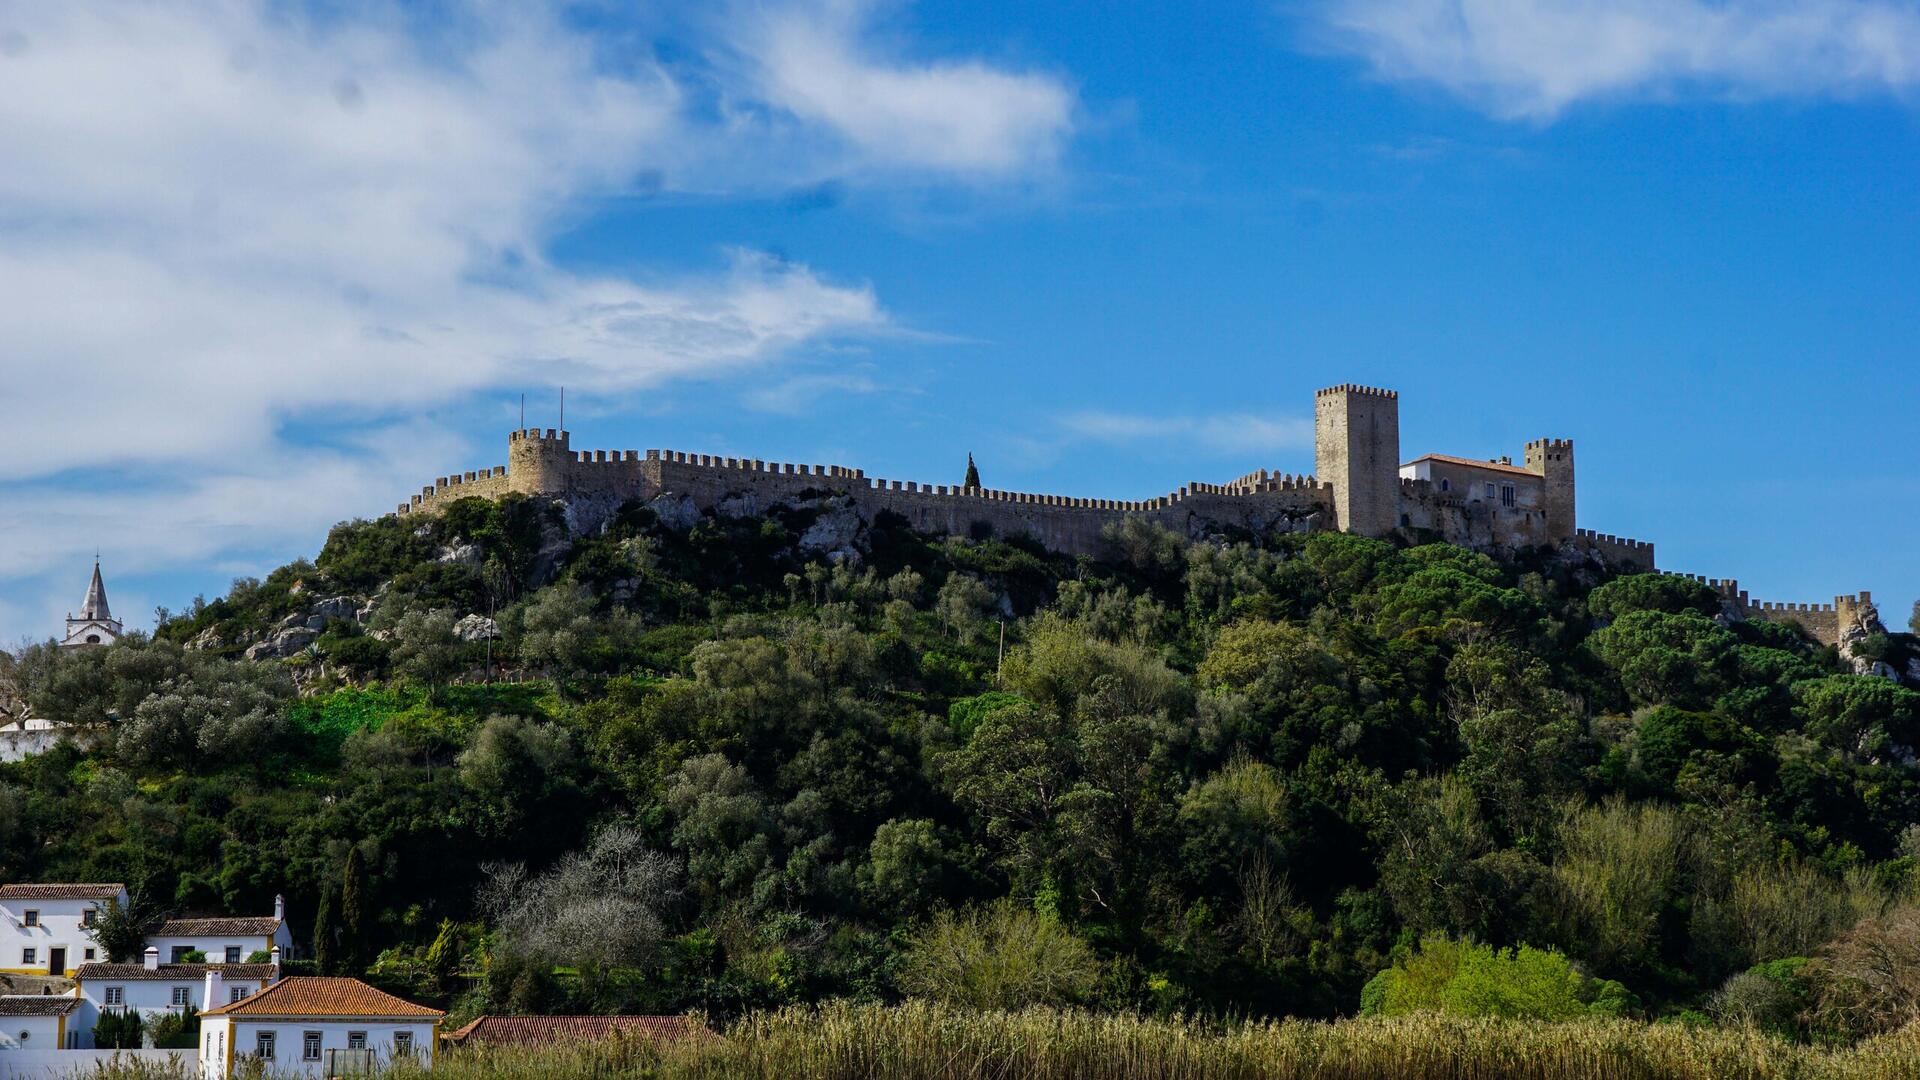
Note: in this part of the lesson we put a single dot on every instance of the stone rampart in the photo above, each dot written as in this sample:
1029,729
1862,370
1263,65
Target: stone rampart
1618,549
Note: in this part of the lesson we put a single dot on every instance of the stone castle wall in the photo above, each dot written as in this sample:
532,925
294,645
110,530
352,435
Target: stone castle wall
1825,623
1358,489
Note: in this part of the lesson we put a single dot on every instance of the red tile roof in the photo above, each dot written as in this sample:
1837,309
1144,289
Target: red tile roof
171,972
37,1005
60,892
537,1030
245,926
314,996
1491,466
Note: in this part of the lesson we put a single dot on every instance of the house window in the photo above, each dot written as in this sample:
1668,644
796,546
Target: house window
116,995
180,997
1489,491
1506,494
1445,484
87,916
235,993
88,953
179,954
263,1045
310,1046
29,956
356,1040
30,917
402,1044
233,954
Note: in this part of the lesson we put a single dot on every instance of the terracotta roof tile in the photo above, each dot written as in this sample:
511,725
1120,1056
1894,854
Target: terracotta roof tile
243,926
37,1005
171,972
304,996
64,891
536,1030
1490,466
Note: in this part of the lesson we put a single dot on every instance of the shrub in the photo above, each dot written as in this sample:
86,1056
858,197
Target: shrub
998,956
1461,978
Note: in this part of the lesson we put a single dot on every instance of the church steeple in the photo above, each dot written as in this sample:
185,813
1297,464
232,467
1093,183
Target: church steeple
95,625
95,605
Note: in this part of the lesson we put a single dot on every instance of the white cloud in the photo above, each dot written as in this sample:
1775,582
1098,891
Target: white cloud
220,218
1535,58
1221,433
813,61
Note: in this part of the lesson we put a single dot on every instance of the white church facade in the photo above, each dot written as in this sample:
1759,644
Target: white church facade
95,625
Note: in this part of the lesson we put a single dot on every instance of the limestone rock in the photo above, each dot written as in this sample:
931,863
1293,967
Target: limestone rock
835,532
476,628
284,642
676,512
461,555
338,607
207,639
556,543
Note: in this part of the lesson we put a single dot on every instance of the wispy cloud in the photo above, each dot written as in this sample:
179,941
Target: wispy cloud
1221,433
816,62
1532,59
229,217
799,394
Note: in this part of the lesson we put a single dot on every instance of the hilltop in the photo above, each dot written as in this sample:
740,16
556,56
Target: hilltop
717,762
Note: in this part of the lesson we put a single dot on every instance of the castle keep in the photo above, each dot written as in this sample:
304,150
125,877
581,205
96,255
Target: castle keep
1361,486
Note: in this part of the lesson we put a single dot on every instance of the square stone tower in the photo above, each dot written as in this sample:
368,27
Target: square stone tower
1553,460
1356,448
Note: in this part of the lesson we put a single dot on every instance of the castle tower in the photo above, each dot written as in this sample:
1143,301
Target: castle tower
539,464
95,624
1553,460
1357,449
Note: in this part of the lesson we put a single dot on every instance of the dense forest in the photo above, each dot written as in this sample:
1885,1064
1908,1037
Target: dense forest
503,768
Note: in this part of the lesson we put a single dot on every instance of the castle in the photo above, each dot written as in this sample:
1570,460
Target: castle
1361,486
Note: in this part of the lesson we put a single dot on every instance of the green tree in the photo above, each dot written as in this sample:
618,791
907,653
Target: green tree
1671,593
326,934
972,481
354,924
121,932
425,649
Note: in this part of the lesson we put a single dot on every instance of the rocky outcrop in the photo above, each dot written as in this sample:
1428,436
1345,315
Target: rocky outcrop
476,628
835,533
286,641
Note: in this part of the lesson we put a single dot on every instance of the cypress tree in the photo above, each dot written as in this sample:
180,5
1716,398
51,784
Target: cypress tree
973,474
324,933
353,912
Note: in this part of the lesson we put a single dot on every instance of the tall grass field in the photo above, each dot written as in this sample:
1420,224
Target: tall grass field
929,1042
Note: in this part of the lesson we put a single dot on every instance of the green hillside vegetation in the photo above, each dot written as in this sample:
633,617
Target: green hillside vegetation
1258,777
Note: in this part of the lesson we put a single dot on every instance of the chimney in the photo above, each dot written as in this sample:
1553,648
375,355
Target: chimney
273,956
280,907
153,958
212,997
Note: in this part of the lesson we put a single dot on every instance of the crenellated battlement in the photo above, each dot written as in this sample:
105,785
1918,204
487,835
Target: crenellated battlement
1356,388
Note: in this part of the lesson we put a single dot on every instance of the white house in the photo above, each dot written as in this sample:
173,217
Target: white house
154,989
225,940
311,1026
35,1021
43,928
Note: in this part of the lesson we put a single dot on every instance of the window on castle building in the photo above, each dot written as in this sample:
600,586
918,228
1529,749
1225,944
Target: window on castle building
1489,491
1506,494
1445,484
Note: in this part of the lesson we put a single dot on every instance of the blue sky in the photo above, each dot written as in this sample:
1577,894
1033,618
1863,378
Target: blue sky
275,265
